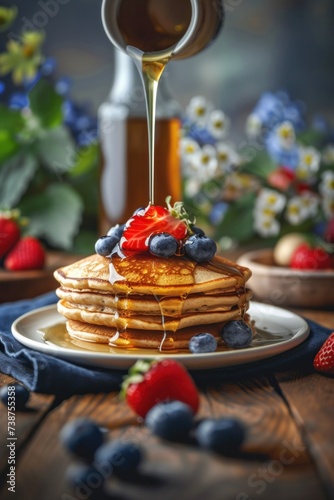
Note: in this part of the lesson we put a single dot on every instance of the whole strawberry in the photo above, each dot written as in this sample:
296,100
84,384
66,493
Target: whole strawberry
324,360
151,382
27,254
9,233
311,258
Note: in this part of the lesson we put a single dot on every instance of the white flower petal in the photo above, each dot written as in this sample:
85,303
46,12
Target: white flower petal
269,198
198,110
218,124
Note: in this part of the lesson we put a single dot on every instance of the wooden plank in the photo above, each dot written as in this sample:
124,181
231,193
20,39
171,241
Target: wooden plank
25,422
282,470
42,465
325,318
311,402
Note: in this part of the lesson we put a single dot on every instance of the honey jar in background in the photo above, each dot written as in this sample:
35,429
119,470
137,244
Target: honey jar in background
124,182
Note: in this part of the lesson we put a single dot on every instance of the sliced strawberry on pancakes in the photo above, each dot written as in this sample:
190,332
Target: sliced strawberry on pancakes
151,220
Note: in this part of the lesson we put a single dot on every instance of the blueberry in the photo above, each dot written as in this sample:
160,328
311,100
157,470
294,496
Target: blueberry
222,435
197,230
14,395
82,437
105,245
123,458
163,245
200,248
79,475
171,421
140,209
203,342
116,231
237,334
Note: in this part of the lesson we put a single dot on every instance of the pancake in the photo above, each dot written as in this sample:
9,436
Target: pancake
143,301
141,339
144,322
106,302
145,274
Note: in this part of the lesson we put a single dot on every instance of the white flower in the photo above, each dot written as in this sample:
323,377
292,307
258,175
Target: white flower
328,155
253,125
218,124
286,135
310,202
271,199
309,163
328,207
192,187
227,157
198,110
205,163
326,186
189,148
296,211
266,226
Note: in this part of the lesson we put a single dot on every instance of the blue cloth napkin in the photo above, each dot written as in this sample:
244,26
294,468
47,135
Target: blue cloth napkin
51,375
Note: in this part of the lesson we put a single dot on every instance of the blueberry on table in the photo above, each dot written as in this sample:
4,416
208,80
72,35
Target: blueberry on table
82,437
163,245
202,343
105,245
79,474
200,248
15,396
224,435
237,334
123,458
170,421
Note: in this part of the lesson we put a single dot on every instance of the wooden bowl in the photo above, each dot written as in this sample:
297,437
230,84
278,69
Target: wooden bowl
27,284
283,286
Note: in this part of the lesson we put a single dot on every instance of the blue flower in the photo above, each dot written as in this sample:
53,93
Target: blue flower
30,84
285,156
217,213
63,86
18,100
87,137
199,134
82,126
48,66
275,108
2,87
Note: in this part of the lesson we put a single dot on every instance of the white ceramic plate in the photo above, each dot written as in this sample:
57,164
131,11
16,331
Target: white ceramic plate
278,330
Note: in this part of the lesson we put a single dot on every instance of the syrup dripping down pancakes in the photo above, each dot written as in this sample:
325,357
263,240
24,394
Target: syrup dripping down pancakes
143,301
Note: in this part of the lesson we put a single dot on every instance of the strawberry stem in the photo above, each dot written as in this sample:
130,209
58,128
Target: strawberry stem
136,374
179,212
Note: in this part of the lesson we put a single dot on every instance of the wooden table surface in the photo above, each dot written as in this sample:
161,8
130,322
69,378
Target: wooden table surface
288,454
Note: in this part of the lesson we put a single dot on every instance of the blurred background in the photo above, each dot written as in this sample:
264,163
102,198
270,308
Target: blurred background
281,44
50,159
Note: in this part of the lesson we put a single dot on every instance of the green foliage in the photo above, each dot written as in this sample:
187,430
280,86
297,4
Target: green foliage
44,173
238,219
46,104
15,176
11,122
56,150
260,166
54,214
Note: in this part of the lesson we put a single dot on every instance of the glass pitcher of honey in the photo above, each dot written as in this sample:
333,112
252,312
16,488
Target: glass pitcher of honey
140,162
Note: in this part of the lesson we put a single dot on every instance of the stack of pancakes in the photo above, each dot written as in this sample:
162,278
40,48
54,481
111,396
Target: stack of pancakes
143,301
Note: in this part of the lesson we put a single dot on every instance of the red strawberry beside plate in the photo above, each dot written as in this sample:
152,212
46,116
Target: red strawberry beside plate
324,360
151,382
